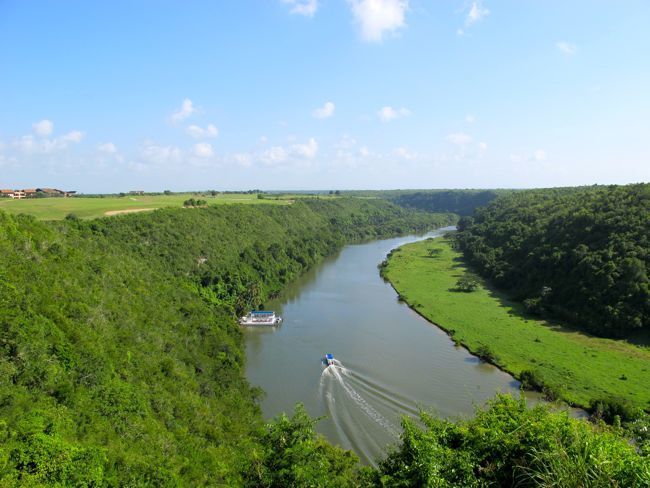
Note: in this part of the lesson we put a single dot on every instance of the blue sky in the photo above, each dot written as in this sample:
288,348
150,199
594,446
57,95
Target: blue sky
323,94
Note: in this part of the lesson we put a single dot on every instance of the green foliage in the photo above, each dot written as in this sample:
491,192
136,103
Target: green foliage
434,252
292,454
121,362
581,254
485,353
461,202
609,408
508,444
531,379
467,283
195,202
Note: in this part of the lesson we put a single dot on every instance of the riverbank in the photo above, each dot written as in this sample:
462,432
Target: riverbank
571,366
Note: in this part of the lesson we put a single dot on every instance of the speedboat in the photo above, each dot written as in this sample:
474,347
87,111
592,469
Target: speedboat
260,317
328,359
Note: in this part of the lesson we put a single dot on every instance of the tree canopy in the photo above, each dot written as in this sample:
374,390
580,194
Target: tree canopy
581,254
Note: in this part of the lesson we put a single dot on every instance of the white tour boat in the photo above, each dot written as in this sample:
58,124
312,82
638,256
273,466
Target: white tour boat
260,317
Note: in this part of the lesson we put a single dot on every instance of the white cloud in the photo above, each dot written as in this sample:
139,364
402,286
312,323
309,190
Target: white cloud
386,114
307,150
280,154
25,144
537,156
378,17
404,153
197,132
274,155
187,109
307,8
476,12
470,119
108,148
243,159
325,111
459,138
566,47
43,145
161,155
43,128
348,153
73,136
203,150
346,142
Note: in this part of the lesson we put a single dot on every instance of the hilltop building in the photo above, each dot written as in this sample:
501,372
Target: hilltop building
35,192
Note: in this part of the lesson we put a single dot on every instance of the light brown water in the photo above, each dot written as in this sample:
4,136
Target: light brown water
390,360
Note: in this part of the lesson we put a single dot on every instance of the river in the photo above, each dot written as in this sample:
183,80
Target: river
391,361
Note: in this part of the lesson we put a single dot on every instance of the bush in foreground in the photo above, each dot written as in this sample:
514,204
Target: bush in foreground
509,444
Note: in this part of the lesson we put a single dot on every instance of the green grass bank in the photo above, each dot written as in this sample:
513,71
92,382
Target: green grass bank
94,207
574,366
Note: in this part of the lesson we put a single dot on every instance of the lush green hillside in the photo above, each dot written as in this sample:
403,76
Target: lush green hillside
461,202
581,254
121,363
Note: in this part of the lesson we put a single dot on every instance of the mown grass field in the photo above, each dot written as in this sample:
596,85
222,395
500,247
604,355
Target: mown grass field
89,208
581,368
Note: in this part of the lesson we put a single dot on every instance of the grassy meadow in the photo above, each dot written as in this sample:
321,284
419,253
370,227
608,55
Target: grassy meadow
578,367
93,207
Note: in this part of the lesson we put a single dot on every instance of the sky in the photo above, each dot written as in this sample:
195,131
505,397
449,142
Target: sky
323,94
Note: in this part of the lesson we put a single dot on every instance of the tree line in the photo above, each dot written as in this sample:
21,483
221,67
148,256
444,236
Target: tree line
579,254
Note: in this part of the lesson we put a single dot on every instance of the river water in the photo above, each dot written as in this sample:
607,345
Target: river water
391,361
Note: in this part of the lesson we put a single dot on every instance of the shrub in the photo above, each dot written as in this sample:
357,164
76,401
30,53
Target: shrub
531,380
467,283
609,408
484,353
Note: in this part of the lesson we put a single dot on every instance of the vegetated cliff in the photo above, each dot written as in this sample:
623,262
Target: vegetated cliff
461,202
121,363
581,254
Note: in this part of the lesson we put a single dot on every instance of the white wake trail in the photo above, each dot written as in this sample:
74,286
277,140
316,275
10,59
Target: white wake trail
360,401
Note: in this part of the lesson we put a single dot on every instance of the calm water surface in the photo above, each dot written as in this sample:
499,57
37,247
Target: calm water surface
392,361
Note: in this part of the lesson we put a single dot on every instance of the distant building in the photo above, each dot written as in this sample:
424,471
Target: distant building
34,192
136,192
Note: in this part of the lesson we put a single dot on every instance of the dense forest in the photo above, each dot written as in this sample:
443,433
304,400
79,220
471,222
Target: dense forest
580,254
121,363
461,202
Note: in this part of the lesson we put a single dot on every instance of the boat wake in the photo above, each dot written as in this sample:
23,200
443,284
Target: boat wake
365,415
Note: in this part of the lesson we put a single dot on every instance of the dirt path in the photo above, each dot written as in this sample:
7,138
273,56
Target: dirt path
128,210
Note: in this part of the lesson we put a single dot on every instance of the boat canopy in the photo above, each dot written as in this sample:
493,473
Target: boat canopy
261,312
329,356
